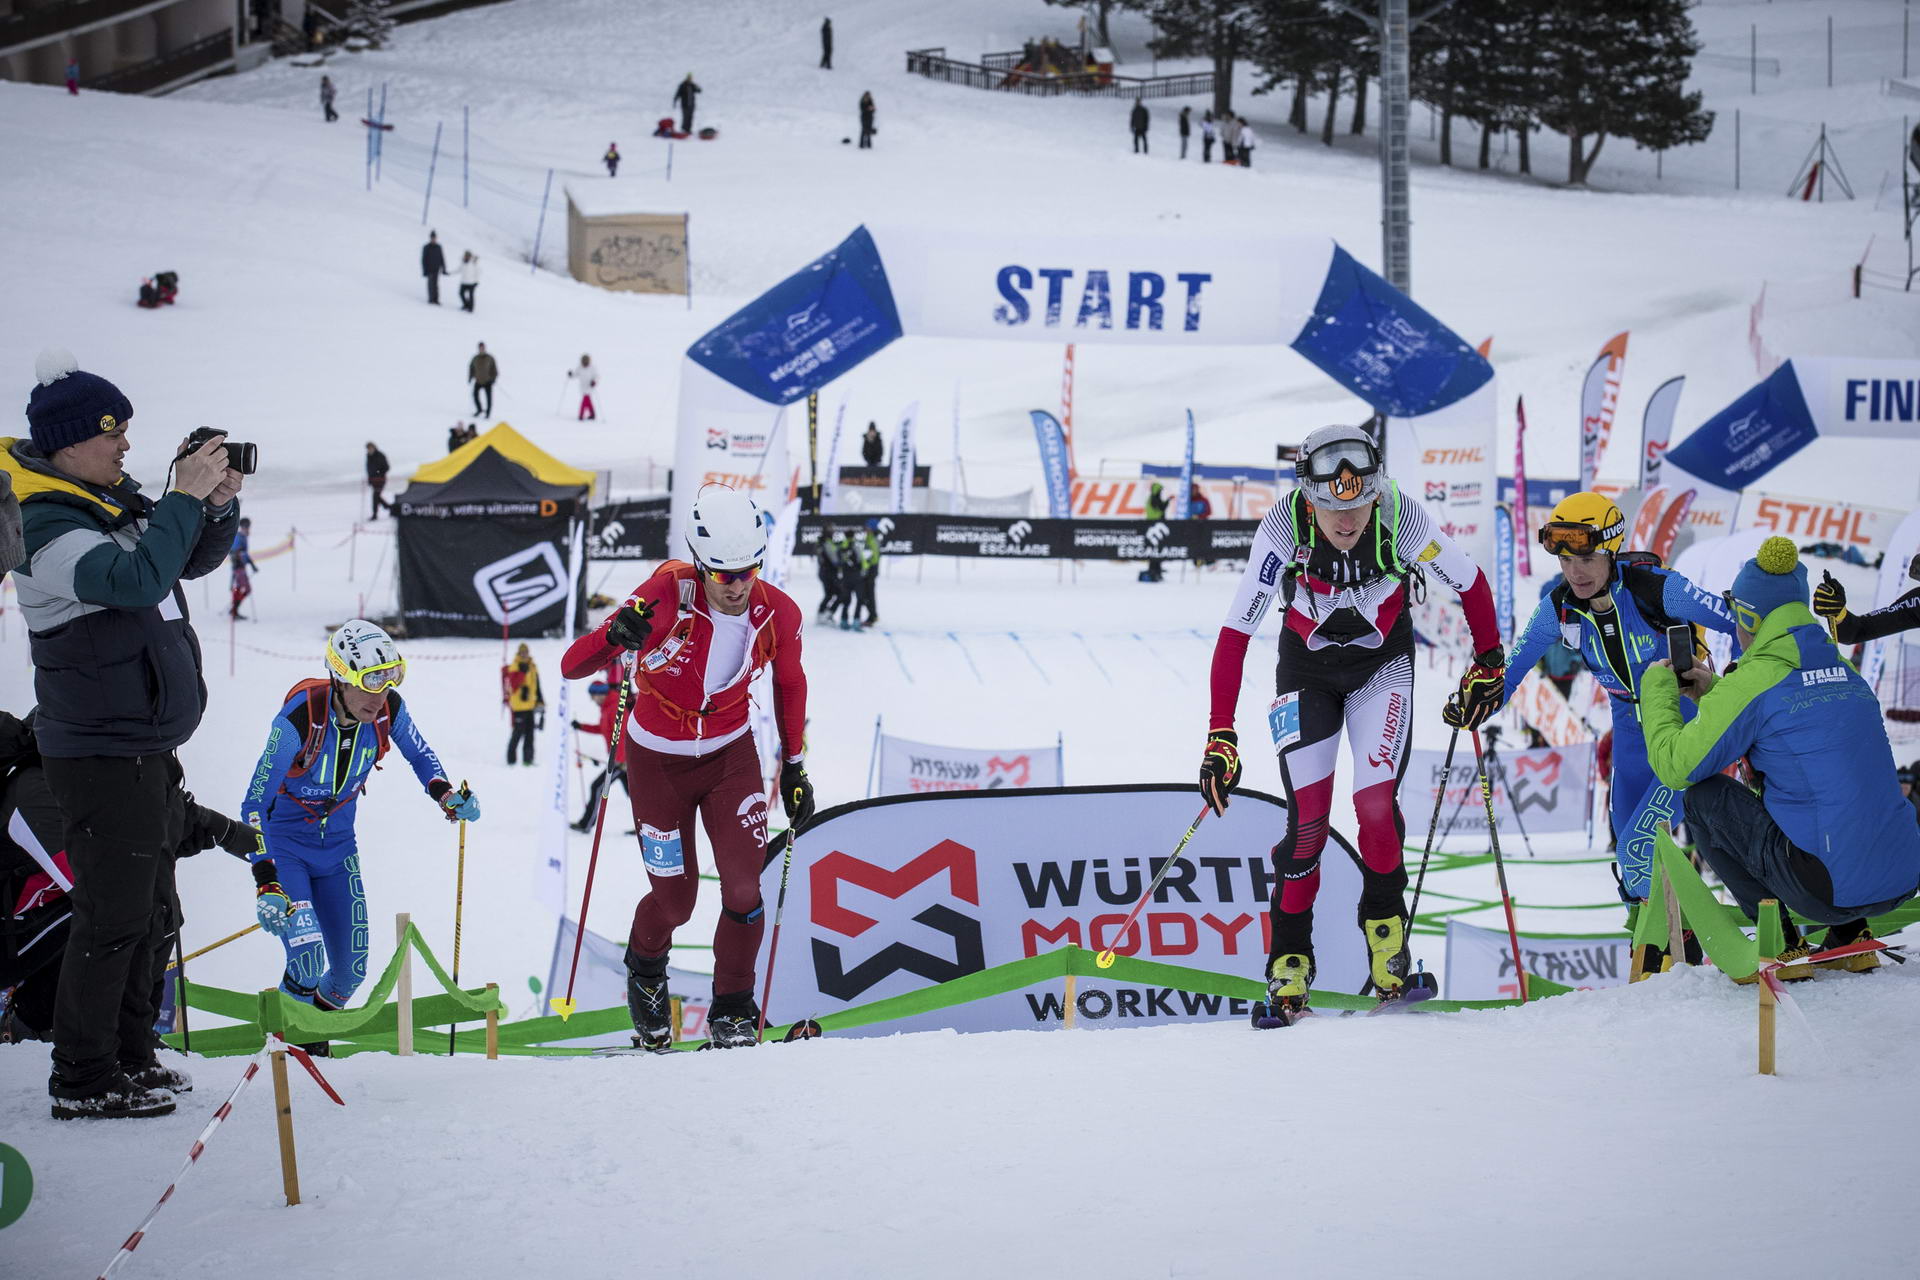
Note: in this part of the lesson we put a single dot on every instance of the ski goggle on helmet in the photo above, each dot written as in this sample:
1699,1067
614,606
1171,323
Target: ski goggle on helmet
364,656
1581,524
1339,468
726,535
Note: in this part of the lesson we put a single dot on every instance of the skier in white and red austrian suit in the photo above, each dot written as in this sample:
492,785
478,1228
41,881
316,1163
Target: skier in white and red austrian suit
1337,552
698,634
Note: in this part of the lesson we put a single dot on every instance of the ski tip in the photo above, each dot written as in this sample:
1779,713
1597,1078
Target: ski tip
563,1006
805,1029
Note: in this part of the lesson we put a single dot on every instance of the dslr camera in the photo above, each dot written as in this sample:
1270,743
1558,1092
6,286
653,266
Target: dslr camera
241,457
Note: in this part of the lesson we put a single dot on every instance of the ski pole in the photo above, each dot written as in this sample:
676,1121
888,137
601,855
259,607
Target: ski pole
1499,868
180,978
1105,958
214,946
773,946
1504,781
1439,798
564,1004
459,901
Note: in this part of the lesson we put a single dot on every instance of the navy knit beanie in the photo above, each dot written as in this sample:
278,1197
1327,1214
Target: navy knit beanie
70,405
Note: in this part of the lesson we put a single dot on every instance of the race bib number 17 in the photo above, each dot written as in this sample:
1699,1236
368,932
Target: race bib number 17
1283,720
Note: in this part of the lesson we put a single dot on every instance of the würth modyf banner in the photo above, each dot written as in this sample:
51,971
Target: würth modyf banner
892,895
905,767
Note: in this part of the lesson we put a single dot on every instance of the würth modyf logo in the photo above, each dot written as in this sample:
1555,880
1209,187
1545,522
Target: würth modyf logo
949,857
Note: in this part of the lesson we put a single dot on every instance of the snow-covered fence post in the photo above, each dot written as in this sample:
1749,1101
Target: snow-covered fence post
540,229
433,162
403,990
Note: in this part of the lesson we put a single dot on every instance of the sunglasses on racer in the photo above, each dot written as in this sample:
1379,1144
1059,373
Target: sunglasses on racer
728,577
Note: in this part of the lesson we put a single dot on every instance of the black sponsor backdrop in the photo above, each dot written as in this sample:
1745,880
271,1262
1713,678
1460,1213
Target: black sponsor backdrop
634,530
439,556
997,537
881,477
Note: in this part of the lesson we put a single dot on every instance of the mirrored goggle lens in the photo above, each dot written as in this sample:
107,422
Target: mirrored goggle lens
727,577
383,677
1569,539
1325,462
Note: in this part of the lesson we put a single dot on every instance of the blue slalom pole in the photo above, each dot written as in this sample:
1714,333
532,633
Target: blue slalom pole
433,162
464,154
540,230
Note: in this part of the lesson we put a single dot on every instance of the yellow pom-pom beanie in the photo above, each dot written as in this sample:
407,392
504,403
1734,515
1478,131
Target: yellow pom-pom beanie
1772,578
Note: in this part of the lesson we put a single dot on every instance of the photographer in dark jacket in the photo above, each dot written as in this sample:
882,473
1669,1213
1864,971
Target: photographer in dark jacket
117,674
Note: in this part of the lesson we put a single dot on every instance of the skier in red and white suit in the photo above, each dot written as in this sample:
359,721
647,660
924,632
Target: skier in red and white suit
697,635
1338,552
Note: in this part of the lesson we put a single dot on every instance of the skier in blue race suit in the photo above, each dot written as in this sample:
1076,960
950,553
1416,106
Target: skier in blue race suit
1614,610
321,751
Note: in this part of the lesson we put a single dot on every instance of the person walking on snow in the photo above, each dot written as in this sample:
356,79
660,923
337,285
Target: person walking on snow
1186,129
482,372
696,635
585,379
326,98
612,159
433,265
73,77
866,122
240,558
1138,120
601,691
683,98
377,468
1613,607
520,691
826,44
469,279
1337,553
325,742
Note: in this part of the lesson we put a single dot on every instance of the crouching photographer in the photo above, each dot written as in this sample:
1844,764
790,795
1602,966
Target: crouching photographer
1828,835
117,674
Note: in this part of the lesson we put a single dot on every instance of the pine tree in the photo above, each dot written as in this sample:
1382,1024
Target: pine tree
1618,68
369,20
1219,30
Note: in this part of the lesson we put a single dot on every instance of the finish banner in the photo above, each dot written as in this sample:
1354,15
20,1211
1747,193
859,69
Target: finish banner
1543,789
1480,962
995,537
908,767
893,895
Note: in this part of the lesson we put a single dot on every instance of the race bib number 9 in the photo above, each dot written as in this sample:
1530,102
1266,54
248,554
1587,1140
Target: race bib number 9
1283,720
662,851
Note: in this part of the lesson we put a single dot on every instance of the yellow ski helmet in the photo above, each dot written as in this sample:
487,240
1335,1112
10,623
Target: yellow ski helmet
1583,523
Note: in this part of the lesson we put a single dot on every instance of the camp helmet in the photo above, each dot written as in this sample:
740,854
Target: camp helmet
1339,468
725,531
364,656
1582,523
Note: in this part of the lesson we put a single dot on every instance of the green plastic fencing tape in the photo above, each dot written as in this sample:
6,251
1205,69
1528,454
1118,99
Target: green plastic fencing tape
1716,926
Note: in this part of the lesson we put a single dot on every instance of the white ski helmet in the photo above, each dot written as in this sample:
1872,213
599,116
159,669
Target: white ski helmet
725,530
1339,468
364,656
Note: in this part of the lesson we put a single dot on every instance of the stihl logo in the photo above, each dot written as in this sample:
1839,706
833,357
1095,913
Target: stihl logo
950,857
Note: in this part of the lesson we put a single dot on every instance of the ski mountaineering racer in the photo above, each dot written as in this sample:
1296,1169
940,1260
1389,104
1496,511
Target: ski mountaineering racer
325,742
1614,608
1830,602
696,635
1338,553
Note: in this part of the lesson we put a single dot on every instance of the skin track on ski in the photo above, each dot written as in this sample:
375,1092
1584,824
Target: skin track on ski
1405,1004
802,1031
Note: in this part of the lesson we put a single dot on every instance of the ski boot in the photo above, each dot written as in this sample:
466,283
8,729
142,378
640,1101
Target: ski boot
1842,935
1289,984
1390,959
117,1099
156,1075
649,1003
733,1021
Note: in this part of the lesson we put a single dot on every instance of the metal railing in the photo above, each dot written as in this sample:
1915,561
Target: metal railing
144,77
53,20
935,65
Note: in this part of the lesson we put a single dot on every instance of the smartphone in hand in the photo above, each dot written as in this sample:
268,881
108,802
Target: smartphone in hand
1680,648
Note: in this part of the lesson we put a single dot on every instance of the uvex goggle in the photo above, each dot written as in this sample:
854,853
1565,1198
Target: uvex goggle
1574,539
1325,463
372,679
728,577
1745,615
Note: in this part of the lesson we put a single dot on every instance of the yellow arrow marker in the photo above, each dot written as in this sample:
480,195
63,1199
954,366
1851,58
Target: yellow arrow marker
563,1007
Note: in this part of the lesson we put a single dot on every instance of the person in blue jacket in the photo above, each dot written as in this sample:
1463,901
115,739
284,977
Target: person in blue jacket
1613,609
322,749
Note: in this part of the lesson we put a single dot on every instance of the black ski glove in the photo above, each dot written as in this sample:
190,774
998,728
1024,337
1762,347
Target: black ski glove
632,625
1482,690
1220,768
1830,598
796,794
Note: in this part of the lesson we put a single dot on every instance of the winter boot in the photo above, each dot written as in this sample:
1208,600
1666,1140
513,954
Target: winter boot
1389,956
1842,935
118,1099
1289,983
733,1021
648,1002
157,1075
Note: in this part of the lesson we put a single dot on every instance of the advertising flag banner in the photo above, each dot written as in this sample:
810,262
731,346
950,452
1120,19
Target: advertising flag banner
1183,496
900,476
892,895
1543,787
1503,572
1656,428
1053,462
1820,520
1480,962
1522,528
1599,398
830,478
908,767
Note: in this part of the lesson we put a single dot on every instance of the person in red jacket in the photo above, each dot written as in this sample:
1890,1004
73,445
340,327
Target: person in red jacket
695,636
601,691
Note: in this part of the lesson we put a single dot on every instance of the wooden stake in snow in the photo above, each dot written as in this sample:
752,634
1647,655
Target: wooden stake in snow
1767,999
493,1024
1067,1010
283,1110
404,989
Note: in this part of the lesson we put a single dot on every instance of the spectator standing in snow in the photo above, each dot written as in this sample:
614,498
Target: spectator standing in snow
612,159
866,121
469,279
456,436
520,691
1206,138
1247,142
1139,121
873,449
585,379
482,372
377,478
73,76
683,98
1158,502
826,44
241,561
433,265
1229,139
326,98
1186,129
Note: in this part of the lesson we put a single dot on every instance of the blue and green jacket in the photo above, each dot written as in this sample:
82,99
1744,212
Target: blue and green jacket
1807,722
116,667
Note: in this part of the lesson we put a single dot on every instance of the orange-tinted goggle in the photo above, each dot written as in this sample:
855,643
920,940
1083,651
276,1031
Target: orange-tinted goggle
1570,539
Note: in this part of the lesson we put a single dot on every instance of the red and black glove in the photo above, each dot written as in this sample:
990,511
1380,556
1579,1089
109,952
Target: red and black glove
1220,768
1482,690
632,625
